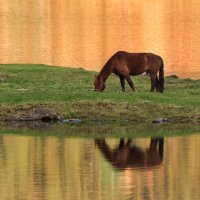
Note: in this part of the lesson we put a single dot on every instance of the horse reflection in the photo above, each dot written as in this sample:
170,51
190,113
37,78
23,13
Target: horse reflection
127,155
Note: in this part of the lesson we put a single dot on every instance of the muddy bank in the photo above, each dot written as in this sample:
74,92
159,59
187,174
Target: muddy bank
32,114
37,114
47,114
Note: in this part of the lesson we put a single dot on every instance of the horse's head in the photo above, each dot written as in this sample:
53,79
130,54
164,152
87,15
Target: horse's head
99,84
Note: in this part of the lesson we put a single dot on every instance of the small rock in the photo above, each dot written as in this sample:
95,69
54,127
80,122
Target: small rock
1,80
166,120
173,76
71,120
81,68
160,120
47,119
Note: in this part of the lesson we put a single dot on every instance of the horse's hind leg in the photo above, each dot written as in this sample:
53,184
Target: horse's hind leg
157,85
154,82
122,80
128,78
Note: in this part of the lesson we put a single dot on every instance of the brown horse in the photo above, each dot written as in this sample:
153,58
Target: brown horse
130,156
125,64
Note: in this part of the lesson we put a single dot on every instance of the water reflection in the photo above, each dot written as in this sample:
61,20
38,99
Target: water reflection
48,168
127,156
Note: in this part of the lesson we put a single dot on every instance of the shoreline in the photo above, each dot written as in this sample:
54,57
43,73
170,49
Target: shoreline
63,114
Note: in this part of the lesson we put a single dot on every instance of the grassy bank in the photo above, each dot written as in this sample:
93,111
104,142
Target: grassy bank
68,92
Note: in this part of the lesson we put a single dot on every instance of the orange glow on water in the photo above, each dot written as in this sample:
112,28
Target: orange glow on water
86,33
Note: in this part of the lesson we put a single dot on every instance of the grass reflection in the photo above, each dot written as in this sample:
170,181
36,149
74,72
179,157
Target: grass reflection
96,130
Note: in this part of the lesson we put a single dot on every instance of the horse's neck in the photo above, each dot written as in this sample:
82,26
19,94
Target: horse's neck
105,72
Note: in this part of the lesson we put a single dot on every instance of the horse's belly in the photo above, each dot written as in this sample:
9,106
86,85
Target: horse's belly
138,71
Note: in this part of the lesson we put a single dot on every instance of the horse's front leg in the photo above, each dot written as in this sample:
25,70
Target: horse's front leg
122,80
128,78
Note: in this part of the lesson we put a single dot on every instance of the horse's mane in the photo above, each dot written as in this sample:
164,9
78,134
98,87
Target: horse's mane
107,68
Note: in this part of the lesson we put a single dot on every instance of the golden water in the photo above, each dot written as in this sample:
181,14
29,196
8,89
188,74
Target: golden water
49,168
86,33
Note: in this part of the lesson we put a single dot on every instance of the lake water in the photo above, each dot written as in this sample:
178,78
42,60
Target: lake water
50,167
86,33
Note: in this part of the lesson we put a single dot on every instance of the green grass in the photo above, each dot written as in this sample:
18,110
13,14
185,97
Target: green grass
69,93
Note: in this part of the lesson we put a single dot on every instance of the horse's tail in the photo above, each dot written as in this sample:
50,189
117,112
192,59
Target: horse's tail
161,77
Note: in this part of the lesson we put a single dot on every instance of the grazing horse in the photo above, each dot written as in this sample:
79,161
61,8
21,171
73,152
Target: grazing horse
125,64
130,156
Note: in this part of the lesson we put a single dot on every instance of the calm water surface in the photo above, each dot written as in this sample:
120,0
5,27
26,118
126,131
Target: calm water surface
86,33
44,168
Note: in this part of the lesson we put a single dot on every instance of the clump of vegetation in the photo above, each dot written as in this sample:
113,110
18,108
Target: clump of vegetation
69,93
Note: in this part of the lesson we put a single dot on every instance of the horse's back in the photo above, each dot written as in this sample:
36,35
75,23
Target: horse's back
135,63
137,57
131,63
154,58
